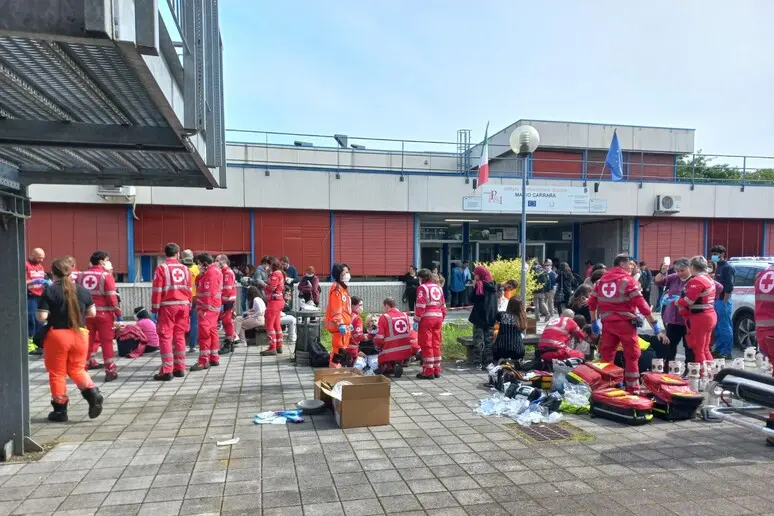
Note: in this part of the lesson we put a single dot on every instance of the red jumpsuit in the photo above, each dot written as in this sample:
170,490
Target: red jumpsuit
617,296
697,305
228,296
555,338
395,339
171,300
353,348
430,311
102,286
764,311
209,297
275,301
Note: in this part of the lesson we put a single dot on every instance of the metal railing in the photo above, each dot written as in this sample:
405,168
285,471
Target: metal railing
365,154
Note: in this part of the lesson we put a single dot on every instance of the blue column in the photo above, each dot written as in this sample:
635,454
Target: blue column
252,236
675,168
764,252
130,272
466,241
146,270
585,166
417,250
333,240
706,237
636,240
576,260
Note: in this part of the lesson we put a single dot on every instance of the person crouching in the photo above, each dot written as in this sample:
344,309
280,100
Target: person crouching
393,339
554,342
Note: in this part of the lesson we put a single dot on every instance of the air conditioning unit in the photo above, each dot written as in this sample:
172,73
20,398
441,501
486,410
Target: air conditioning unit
668,203
116,192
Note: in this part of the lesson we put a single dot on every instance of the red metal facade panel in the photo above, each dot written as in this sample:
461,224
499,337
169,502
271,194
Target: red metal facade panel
651,167
740,237
676,238
217,230
769,251
557,164
375,244
302,236
79,230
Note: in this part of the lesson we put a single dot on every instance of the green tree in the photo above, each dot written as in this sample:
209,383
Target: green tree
697,168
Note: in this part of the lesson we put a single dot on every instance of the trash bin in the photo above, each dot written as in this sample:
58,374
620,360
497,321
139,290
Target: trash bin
307,329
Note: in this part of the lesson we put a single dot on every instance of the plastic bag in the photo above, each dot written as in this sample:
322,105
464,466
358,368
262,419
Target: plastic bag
498,405
534,414
560,375
360,363
575,399
373,361
336,391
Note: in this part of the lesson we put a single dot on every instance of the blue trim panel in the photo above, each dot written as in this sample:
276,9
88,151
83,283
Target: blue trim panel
333,241
145,268
131,274
252,236
417,251
585,166
636,244
764,252
466,241
706,237
576,263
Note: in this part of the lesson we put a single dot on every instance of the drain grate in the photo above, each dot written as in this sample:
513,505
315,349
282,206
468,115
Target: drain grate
544,433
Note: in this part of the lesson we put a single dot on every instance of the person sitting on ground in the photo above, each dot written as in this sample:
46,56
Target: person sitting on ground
358,335
367,346
309,287
555,339
254,316
138,339
509,344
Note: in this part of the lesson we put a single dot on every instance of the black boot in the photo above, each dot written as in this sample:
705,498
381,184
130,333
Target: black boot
227,348
94,398
109,377
163,377
178,374
59,415
198,367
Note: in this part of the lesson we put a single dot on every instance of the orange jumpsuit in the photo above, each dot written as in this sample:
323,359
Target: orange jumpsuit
697,305
338,313
764,311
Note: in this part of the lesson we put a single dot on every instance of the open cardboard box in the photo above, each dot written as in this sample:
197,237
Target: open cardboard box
364,403
329,376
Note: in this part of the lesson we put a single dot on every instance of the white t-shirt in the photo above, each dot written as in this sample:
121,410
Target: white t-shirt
257,311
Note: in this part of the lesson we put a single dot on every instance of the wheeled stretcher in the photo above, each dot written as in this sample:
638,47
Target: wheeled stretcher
743,398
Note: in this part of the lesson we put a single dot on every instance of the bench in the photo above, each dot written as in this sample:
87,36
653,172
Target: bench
529,340
257,337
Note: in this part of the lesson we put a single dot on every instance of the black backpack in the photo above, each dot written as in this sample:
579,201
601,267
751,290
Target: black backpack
318,355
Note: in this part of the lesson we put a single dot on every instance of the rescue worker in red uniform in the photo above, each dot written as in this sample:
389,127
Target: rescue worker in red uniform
275,302
394,338
102,287
554,340
764,311
36,284
430,311
171,301
228,297
615,299
209,299
697,305
353,348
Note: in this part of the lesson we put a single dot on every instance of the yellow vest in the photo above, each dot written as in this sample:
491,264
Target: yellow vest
644,344
194,270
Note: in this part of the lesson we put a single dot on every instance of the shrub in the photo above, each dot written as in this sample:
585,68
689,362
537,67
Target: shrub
503,270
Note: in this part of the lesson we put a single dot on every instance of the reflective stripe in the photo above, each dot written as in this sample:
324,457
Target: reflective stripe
420,305
764,323
630,315
166,355
552,341
764,297
105,308
171,303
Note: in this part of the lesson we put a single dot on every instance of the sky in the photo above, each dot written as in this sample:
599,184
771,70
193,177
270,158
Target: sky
423,69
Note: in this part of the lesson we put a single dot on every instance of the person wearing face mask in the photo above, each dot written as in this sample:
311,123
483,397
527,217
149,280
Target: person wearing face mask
102,287
725,275
696,304
338,313
309,287
275,302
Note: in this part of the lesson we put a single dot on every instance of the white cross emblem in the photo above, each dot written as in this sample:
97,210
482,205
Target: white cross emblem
767,282
435,294
178,276
400,326
609,289
90,282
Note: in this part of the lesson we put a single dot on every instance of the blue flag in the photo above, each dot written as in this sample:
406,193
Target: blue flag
614,159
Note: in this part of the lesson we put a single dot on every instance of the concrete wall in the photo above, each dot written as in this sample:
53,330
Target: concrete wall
600,242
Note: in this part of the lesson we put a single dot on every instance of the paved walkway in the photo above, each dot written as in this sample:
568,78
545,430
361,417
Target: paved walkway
153,452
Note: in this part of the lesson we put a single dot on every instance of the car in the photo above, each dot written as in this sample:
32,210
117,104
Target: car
747,269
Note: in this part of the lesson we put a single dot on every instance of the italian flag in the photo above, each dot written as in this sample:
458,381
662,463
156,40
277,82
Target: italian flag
483,166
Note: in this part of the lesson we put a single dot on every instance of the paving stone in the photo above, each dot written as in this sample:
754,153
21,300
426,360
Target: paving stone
369,507
242,503
401,503
43,505
437,500
83,501
210,505
125,497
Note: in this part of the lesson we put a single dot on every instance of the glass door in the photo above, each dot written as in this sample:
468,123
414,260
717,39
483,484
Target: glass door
536,251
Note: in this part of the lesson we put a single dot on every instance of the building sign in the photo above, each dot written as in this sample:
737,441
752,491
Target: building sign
540,199
471,203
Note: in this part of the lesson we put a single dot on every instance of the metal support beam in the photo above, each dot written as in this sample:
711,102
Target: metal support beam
88,136
146,18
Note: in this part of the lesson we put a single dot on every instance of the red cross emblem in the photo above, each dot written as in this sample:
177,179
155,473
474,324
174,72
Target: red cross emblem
90,282
178,276
435,294
400,326
609,289
767,282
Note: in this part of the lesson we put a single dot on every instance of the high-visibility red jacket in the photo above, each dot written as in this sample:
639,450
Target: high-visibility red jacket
102,286
35,271
339,309
557,333
208,289
394,336
764,299
698,295
228,292
430,302
618,297
275,287
171,285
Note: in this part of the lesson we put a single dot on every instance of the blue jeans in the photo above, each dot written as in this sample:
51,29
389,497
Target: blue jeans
32,324
243,301
724,334
193,333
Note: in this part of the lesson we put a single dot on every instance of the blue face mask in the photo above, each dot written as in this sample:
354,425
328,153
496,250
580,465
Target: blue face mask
715,258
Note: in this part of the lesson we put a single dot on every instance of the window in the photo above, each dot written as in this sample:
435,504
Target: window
745,275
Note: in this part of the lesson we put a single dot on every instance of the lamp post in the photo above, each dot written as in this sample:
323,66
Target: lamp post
523,141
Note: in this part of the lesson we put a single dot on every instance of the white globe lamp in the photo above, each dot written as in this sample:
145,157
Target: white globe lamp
524,140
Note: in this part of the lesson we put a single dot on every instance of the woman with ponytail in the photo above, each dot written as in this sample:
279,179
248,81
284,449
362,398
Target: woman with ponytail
63,307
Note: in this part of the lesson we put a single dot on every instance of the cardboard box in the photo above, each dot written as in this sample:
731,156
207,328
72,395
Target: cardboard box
364,403
330,375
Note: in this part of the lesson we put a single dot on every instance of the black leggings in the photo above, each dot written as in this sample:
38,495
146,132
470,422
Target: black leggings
676,333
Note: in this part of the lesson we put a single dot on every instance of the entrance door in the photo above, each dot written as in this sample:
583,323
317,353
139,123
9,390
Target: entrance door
536,251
